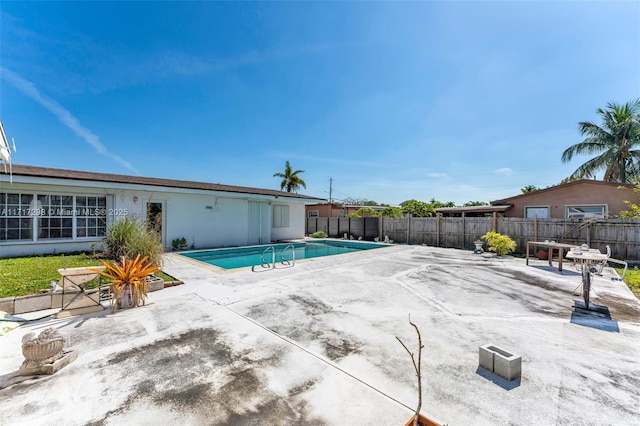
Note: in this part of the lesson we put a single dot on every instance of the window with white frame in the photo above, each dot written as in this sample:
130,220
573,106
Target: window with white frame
56,217
542,212
15,217
34,217
91,218
280,216
590,211
314,213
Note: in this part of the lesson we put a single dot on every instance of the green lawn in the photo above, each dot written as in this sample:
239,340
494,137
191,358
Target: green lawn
28,275
632,279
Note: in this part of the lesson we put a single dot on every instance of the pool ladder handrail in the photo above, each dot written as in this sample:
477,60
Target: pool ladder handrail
264,263
283,260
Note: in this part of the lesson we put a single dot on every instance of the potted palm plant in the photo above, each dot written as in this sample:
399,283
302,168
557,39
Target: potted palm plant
417,419
128,287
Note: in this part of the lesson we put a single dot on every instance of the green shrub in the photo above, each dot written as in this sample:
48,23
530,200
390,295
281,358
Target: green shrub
501,244
319,234
128,237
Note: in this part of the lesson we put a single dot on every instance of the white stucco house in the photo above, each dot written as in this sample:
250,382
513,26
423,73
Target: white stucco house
46,210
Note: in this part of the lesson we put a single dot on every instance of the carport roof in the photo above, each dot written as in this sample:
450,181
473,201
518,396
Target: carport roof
474,209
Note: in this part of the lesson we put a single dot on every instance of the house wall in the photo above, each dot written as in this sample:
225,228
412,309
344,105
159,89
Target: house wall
331,210
204,218
324,210
579,194
296,224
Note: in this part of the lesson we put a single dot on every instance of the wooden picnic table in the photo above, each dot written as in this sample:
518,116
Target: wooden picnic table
551,245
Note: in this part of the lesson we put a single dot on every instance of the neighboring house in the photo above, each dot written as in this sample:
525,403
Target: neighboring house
580,199
334,209
49,210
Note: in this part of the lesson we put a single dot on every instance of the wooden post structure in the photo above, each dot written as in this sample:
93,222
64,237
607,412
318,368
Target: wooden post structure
463,230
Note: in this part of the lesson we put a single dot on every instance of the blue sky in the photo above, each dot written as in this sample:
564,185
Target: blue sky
456,101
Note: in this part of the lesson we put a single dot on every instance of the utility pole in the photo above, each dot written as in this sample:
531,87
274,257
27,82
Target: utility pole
330,189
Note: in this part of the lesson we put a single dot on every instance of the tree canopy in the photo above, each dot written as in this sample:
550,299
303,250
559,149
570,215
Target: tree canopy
423,209
616,142
529,188
291,182
633,209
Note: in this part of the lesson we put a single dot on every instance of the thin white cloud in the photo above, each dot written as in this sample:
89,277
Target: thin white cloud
438,175
62,114
505,171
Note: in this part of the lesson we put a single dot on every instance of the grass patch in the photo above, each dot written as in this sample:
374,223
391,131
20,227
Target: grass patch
632,279
28,275
165,277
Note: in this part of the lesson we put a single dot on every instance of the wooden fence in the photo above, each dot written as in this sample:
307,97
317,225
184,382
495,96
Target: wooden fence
337,227
623,236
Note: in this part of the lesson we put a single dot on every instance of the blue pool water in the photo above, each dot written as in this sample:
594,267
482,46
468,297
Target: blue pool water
248,256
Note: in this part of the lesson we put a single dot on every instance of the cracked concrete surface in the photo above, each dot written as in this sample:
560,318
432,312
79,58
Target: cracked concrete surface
315,344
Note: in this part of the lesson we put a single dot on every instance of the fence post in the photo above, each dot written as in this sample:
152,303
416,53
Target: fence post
364,227
438,229
535,227
408,229
464,233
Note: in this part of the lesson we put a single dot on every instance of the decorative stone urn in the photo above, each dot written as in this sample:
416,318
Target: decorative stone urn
44,354
478,244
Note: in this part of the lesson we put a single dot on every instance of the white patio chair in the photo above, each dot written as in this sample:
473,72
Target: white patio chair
598,267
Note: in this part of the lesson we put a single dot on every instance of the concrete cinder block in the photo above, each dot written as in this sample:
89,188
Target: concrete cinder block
6,305
31,303
507,365
155,284
486,357
75,300
501,362
56,300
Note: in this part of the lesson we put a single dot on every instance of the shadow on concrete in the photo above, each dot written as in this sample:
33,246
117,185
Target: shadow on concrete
597,316
567,270
493,377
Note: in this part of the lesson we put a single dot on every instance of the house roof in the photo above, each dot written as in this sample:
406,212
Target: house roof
45,172
510,200
473,209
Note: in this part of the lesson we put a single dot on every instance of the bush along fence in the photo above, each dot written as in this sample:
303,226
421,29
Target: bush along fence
623,236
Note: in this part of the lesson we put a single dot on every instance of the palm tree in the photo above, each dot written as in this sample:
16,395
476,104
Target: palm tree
617,141
290,179
529,188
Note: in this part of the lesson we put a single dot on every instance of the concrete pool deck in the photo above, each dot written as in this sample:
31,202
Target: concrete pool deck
316,344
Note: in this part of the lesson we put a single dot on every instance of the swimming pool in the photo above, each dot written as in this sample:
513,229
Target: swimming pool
241,257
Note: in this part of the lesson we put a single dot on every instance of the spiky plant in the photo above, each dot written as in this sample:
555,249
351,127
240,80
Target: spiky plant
130,275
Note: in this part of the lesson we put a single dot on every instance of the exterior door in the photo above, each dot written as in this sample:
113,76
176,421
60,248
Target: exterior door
155,218
259,224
